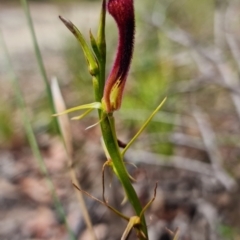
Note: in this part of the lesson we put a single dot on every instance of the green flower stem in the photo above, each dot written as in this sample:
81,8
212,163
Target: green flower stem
109,136
108,126
101,41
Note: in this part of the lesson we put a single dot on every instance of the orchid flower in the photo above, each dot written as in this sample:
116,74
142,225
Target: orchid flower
123,13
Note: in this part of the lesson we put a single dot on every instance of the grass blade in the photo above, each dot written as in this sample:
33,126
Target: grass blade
32,139
39,59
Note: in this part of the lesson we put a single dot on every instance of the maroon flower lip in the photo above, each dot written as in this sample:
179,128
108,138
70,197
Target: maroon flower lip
123,13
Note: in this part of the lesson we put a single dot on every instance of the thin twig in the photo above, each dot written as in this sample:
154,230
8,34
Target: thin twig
231,40
219,11
206,61
139,156
209,140
65,132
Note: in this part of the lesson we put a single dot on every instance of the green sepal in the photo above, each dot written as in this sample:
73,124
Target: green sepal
145,124
101,29
91,59
94,105
94,46
82,115
101,43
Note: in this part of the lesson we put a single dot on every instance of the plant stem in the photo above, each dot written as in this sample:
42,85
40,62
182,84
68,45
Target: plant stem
101,41
109,136
108,126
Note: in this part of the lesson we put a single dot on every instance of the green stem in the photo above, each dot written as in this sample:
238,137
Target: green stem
108,126
109,136
101,41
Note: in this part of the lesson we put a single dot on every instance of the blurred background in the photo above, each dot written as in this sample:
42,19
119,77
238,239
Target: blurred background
186,50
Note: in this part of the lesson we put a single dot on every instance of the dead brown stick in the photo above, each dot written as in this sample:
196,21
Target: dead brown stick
139,156
215,157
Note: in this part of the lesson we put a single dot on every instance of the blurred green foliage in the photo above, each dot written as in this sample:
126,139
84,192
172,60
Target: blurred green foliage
195,17
6,124
227,232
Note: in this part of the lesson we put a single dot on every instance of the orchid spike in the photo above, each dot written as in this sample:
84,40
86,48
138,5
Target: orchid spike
123,13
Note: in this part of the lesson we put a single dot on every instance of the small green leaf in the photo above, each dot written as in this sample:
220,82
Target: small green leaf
101,43
93,125
143,126
94,105
82,115
101,28
92,62
94,46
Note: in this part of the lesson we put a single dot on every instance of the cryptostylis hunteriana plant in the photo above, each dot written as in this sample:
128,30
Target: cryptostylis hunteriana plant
108,97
